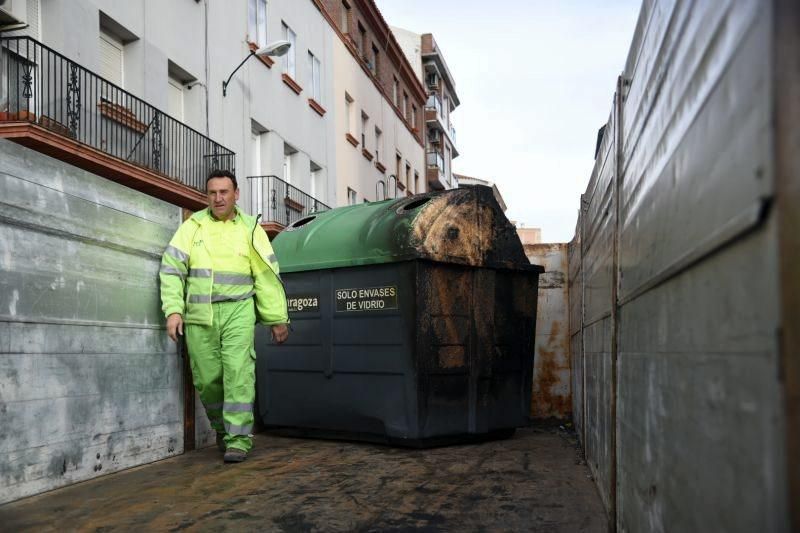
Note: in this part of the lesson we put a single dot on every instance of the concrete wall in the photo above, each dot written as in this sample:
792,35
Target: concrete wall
551,398
89,382
674,281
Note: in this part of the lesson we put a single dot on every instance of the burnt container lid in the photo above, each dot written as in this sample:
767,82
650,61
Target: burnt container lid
462,226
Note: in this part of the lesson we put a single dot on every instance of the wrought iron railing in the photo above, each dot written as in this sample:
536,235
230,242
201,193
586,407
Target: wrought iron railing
41,86
278,201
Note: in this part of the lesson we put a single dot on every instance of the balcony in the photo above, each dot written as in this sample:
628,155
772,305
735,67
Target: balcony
435,172
434,116
280,203
435,160
54,105
434,103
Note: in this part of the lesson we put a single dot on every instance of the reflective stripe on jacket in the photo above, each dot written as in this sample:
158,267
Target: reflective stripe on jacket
187,276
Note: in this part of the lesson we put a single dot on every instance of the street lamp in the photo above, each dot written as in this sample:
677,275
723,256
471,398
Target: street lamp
276,49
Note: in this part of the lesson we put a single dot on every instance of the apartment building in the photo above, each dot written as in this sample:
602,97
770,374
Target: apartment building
378,102
158,70
429,64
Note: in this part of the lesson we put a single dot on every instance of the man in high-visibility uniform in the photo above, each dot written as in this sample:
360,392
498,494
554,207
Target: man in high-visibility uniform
218,277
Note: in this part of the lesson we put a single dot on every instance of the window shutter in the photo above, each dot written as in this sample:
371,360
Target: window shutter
175,99
111,59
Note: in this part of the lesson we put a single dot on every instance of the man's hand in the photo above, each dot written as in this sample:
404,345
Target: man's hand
280,333
174,326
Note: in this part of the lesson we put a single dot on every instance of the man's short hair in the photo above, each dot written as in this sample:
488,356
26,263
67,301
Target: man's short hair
219,173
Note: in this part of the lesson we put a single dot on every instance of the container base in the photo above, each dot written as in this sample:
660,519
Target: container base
428,442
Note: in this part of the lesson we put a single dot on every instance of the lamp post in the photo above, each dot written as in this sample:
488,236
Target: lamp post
276,49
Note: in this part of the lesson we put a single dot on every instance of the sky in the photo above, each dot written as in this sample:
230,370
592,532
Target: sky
535,79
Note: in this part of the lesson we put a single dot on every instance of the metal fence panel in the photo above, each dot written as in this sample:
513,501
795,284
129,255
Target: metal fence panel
698,399
94,385
597,351
697,136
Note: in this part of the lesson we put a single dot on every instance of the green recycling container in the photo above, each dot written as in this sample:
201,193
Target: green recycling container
413,323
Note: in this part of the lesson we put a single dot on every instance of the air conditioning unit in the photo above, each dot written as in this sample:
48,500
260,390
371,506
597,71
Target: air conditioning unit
434,136
12,12
432,79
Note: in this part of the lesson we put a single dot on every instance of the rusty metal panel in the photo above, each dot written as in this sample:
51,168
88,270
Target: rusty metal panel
696,125
551,396
91,383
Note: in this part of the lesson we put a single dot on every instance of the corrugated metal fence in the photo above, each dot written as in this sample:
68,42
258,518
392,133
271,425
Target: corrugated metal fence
673,280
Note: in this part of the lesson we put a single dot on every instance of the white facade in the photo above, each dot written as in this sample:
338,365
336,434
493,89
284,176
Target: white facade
175,55
411,44
360,108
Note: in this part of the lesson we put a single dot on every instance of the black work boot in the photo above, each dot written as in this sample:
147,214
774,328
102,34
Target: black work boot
235,455
221,442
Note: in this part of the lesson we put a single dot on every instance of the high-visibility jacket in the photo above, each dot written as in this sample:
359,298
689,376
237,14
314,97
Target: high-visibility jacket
188,280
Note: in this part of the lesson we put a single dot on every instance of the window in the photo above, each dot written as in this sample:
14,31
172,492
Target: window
314,77
416,182
395,86
288,152
352,197
398,161
316,177
413,116
289,58
405,105
257,183
408,175
364,121
348,103
375,55
257,22
287,168
175,98
378,144
111,66
363,33
345,17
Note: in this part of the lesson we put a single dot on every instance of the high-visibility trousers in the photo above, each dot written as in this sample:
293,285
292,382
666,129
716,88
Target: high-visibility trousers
222,358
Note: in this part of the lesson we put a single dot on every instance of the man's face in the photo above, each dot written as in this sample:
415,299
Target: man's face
222,197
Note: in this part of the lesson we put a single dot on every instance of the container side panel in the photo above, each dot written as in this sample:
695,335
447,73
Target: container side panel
93,384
